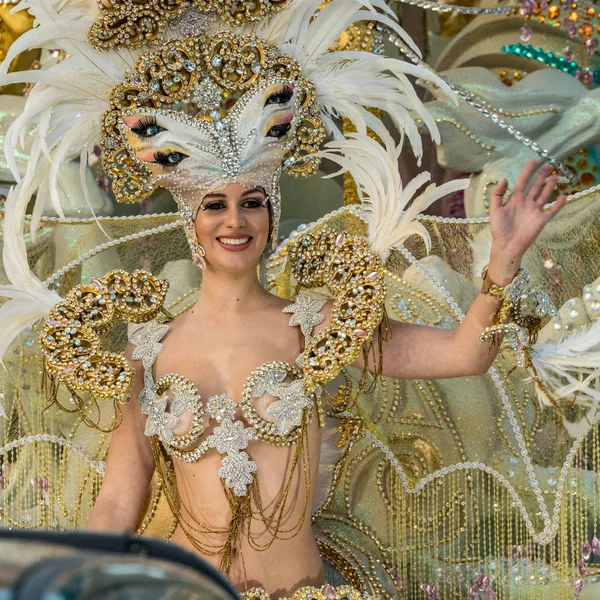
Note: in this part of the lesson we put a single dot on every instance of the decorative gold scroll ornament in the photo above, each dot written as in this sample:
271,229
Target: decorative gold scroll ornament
352,274
132,23
159,80
70,338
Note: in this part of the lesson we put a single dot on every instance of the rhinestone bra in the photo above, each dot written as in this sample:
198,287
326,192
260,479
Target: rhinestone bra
230,436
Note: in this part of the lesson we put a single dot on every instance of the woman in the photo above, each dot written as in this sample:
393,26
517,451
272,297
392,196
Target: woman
233,329
230,398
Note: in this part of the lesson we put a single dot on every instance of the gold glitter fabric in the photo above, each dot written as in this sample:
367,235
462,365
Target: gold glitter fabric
132,24
326,592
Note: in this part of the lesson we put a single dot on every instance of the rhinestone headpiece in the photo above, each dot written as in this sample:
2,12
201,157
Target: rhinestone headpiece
214,87
132,23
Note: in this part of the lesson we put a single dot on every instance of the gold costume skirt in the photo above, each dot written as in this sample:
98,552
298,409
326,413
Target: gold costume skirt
326,592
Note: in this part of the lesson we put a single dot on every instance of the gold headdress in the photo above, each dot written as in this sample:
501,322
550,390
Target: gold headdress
215,86
237,104
203,106
132,24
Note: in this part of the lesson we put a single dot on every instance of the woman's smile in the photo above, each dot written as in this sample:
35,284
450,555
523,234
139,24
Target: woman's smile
235,242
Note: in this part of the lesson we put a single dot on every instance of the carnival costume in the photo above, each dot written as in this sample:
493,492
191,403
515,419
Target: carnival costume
191,97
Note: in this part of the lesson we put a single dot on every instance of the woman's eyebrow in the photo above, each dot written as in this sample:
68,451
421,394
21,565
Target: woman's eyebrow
214,195
252,191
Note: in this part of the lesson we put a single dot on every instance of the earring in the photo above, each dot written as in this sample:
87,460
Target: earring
198,252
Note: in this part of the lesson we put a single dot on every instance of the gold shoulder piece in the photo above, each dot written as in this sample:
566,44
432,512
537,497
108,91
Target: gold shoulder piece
352,273
70,338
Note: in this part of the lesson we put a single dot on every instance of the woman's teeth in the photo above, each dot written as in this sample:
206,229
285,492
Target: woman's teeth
234,241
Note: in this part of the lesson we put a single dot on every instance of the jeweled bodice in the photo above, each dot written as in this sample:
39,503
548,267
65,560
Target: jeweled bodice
235,424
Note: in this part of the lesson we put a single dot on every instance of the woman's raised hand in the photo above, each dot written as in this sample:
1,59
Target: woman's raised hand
516,223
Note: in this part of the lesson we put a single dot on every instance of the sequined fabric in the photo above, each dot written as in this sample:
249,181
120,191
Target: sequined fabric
326,592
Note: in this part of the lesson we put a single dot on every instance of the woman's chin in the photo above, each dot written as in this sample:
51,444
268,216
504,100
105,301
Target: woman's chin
234,263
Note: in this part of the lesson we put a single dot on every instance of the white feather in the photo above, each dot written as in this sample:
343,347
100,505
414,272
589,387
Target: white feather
570,368
389,208
29,300
349,82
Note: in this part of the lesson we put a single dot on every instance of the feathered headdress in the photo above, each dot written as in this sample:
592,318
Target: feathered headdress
238,103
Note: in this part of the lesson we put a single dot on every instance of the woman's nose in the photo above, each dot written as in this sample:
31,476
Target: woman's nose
235,217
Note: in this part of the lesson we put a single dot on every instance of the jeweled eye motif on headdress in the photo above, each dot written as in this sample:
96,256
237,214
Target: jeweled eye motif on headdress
132,23
218,107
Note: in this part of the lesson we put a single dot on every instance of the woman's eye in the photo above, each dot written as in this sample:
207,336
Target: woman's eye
254,204
281,97
218,205
278,131
170,159
147,128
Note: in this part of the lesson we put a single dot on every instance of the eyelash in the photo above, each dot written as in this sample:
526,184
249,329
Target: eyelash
141,127
162,158
286,94
220,205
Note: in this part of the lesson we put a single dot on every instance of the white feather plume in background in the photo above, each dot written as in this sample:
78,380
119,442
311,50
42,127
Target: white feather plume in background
389,208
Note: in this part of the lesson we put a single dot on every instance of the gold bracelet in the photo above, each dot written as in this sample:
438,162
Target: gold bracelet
490,288
528,308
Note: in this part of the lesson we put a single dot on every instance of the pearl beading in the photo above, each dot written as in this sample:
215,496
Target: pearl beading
352,209
485,109
468,133
547,534
461,10
107,245
98,465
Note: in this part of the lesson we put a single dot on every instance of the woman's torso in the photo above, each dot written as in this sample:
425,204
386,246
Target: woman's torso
218,355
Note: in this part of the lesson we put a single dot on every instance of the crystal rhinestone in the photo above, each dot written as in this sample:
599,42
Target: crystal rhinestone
256,67
189,65
570,28
146,25
525,32
591,46
154,85
217,61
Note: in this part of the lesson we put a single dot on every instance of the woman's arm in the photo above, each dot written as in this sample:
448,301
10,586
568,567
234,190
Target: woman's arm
421,352
129,469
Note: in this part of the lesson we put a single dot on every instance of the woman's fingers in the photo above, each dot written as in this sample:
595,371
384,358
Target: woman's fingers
540,183
547,191
497,194
555,207
525,176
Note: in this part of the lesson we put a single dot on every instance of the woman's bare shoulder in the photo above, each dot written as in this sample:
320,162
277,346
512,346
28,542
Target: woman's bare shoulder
278,303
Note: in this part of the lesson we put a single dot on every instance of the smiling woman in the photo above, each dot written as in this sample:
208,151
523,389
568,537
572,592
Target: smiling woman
237,219
228,407
200,151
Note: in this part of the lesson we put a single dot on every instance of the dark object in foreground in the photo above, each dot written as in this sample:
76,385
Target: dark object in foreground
41,565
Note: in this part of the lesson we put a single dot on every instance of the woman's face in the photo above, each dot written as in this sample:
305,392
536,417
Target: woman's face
233,226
